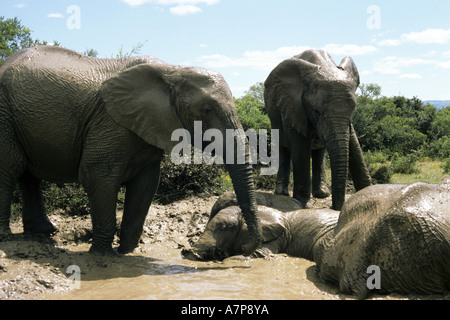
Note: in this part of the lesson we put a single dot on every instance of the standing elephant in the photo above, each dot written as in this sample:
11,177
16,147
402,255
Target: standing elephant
311,101
105,123
401,230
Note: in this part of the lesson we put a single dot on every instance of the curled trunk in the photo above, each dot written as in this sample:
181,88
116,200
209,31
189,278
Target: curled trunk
242,179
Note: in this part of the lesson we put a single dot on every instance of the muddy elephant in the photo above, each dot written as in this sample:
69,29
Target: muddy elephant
310,101
403,231
105,123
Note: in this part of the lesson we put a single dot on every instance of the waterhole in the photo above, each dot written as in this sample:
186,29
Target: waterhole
164,275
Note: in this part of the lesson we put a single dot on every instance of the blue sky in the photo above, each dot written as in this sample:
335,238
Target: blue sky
404,46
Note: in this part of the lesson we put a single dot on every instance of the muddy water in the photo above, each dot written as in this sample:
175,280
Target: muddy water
162,273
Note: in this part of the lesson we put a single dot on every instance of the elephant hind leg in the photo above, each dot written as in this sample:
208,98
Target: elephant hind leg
34,217
12,165
6,191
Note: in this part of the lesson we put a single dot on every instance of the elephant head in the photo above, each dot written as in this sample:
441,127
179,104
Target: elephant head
153,100
316,97
226,232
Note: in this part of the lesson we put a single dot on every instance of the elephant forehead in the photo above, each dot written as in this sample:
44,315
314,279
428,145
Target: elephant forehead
229,216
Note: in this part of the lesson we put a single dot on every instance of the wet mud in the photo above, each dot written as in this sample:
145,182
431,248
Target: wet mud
61,267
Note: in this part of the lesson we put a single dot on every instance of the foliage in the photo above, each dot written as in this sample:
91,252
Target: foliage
405,164
399,125
379,168
136,49
251,109
91,53
183,180
252,114
14,37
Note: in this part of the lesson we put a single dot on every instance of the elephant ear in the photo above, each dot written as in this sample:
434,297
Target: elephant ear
271,223
141,99
347,64
285,87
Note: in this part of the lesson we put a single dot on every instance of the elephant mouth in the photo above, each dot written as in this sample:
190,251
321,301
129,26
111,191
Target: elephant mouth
209,255
205,253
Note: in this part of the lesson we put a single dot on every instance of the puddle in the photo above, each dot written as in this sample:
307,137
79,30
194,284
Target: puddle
167,276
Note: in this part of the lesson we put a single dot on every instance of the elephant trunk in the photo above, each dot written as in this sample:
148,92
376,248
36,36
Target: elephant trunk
242,178
337,146
241,174
357,165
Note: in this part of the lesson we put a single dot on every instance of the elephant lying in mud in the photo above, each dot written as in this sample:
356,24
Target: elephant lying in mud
404,230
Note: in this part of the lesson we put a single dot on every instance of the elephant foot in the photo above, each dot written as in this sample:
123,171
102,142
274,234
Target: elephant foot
5,233
102,251
44,226
322,192
302,200
282,191
126,249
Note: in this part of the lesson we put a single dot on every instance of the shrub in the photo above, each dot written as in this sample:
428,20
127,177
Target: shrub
380,173
183,180
378,166
405,164
446,166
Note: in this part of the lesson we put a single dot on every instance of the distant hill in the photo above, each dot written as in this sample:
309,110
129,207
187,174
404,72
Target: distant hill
439,104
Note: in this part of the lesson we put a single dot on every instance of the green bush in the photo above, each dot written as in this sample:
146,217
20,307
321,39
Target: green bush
446,166
380,173
183,180
405,164
379,167
399,125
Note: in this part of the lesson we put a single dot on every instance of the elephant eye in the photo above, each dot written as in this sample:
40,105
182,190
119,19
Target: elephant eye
223,226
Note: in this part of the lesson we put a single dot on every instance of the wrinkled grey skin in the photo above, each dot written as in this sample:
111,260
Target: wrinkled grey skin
311,101
402,229
104,122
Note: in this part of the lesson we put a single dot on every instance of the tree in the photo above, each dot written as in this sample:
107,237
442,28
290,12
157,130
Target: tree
14,37
370,90
91,53
256,91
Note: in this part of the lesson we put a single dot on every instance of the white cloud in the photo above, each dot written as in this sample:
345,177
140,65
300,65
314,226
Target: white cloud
267,60
428,36
259,60
446,54
410,76
393,65
177,7
349,49
184,10
203,45
20,5
55,15
430,54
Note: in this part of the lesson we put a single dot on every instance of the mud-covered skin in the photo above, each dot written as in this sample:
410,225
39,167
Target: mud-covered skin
402,229
106,123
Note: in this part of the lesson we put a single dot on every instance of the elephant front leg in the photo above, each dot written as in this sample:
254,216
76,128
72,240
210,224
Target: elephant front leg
102,191
138,198
319,184
284,172
302,174
103,211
